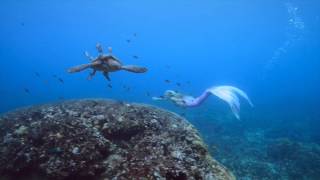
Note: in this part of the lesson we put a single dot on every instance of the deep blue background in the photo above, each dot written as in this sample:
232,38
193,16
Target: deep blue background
207,42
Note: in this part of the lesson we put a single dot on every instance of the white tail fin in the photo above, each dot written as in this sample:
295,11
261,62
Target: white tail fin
229,95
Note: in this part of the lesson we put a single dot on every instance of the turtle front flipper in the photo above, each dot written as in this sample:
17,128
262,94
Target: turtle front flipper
106,75
134,69
79,68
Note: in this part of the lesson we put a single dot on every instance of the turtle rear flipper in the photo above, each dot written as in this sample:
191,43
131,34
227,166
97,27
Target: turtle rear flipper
106,75
92,74
79,68
134,69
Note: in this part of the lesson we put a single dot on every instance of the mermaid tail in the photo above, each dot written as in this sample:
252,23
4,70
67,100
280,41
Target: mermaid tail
229,95
226,93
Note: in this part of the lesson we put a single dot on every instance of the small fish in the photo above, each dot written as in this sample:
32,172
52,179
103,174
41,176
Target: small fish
22,23
162,97
128,41
110,86
148,94
167,81
37,74
183,114
178,84
61,98
168,67
188,82
135,34
26,90
136,57
61,80
55,76
45,81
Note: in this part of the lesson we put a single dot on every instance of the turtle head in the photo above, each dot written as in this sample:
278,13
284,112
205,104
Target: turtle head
99,47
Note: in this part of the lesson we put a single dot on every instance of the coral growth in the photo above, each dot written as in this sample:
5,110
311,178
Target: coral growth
103,139
251,153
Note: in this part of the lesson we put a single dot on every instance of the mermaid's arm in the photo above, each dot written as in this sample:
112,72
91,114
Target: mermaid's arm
157,98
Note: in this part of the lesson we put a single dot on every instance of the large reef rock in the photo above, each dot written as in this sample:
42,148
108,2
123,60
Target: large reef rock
102,139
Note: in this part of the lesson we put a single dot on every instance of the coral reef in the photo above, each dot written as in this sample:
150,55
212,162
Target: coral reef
252,153
253,156
103,139
298,160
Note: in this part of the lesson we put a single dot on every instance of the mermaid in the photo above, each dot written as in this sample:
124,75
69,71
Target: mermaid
228,94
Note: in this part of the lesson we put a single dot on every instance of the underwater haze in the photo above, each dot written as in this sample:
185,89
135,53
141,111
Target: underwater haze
269,49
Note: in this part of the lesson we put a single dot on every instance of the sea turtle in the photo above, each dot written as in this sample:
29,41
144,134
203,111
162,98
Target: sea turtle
105,63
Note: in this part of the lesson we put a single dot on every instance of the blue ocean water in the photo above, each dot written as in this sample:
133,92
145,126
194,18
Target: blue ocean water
269,49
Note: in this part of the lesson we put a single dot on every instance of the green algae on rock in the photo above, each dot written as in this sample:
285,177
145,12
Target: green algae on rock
103,139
